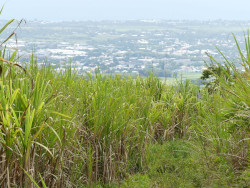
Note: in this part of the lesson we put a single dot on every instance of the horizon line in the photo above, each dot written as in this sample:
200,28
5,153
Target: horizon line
126,20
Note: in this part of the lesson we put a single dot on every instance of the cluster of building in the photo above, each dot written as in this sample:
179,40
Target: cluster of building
134,47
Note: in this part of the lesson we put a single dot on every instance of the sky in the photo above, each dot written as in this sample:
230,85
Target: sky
81,10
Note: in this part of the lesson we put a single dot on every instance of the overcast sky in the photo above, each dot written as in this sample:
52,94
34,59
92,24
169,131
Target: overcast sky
59,10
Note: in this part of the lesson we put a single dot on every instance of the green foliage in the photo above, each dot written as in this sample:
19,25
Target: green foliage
226,127
182,164
69,130
210,80
138,181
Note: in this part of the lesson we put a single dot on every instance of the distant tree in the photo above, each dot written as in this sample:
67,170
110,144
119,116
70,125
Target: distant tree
213,72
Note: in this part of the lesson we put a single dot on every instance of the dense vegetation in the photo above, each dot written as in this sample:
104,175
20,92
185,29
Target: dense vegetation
62,129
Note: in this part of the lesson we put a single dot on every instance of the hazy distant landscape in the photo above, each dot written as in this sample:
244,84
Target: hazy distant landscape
129,47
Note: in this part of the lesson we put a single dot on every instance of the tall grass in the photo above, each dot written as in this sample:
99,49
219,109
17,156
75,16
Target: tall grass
225,127
62,129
